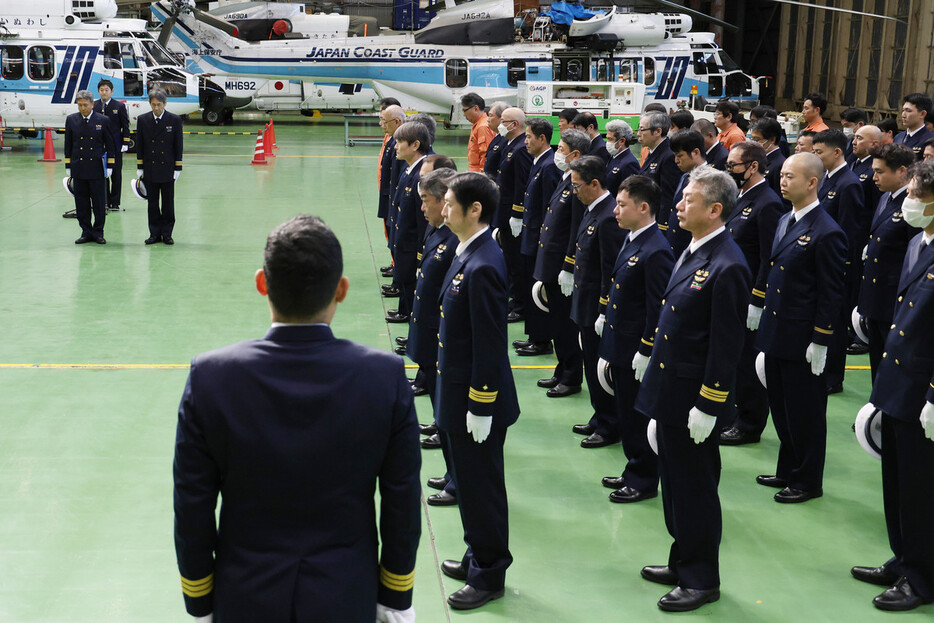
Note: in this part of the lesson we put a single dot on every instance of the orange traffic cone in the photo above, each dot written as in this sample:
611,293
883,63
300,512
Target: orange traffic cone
267,142
49,152
272,130
258,155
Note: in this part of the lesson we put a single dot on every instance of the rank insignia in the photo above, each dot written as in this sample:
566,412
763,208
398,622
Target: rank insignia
591,229
700,276
509,155
863,177
831,195
897,217
803,240
615,170
98,127
747,211
930,275
653,166
565,193
456,283
633,261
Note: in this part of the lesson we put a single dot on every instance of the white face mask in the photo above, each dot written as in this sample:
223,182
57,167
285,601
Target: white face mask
913,211
561,161
612,149
502,129
849,132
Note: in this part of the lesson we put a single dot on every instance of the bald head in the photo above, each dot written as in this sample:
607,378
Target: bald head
801,175
866,138
514,120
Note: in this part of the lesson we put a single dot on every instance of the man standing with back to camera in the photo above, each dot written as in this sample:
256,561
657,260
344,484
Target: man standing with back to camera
159,163
257,424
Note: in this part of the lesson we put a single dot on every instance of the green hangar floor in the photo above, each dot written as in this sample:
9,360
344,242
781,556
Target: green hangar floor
93,358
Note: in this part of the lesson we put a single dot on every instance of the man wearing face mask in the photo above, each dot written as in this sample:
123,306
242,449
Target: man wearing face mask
587,123
622,162
904,393
752,225
852,119
688,148
659,163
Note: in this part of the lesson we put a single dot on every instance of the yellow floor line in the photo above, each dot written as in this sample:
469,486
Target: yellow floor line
185,366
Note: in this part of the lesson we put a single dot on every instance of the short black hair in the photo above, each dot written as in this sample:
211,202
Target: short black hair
818,101
585,120
808,134
105,83
541,127
769,128
655,107
831,138
682,118
303,264
921,101
386,102
751,151
762,112
895,156
687,141
568,114
412,131
728,107
641,188
430,124
158,95
469,100
474,186
440,161
927,143
590,168
888,125
854,115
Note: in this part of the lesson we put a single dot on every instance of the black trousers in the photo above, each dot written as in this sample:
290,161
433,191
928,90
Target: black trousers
91,195
537,326
427,377
569,370
510,246
908,496
481,493
405,277
641,471
840,340
877,331
690,475
752,400
604,420
161,221
798,400
115,183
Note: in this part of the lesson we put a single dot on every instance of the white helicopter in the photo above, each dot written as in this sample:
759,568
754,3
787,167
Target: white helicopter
51,49
474,46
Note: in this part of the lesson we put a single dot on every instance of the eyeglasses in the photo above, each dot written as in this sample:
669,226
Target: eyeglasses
576,186
731,165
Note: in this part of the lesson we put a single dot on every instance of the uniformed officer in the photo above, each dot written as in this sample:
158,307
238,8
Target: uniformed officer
905,395
89,156
554,269
852,119
805,142
115,111
752,225
681,119
476,395
714,151
726,117
494,151
390,118
586,122
884,254
800,315
597,243
688,387
640,275
526,225
761,112
916,108
865,139
622,162
659,163
257,424
159,163
841,196
688,148
767,132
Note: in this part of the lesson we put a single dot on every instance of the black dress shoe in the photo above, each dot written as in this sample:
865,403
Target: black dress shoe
597,440
900,597
83,240
735,437
399,350
613,482
442,498
521,343
547,383
390,292
437,483
168,240
419,391
469,597
402,341
857,348
534,350
385,269
393,315
153,239
454,569
687,599
835,389
628,494
431,443
583,429
428,429
790,495
660,574
874,575
514,316
772,481
100,240
561,390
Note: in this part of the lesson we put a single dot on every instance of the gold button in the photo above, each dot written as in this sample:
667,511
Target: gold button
896,362
672,308
892,327
662,366
781,268
876,260
884,355
772,264
666,337
878,239
614,306
611,326
900,299
873,280
901,333
617,286
774,313
778,291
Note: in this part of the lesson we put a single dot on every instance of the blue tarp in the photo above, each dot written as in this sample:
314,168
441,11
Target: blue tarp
564,12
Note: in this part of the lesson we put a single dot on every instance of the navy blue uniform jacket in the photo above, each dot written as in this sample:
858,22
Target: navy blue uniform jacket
717,156
700,335
805,286
512,178
888,243
619,168
434,260
556,233
752,225
598,148
660,166
87,143
263,423
543,179
159,147
494,152
598,241
842,197
473,364
409,223
916,142
115,112
385,178
871,193
640,275
678,239
773,170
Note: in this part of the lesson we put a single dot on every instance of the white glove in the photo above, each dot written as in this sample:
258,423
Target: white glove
817,357
700,424
139,173
566,281
753,317
598,324
515,224
388,615
108,172
927,420
205,619
640,364
865,252
479,426
175,176
124,149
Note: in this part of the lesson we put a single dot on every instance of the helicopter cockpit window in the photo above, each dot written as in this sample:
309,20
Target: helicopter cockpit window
455,73
11,62
41,63
128,56
112,55
705,62
728,63
628,72
169,80
649,76
157,54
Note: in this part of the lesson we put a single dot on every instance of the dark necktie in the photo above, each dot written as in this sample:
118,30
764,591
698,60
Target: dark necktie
823,181
681,260
915,254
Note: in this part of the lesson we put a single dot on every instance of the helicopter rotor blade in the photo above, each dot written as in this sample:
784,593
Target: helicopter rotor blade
166,30
697,14
832,8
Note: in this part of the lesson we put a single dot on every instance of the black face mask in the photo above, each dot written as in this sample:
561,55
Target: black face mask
739,178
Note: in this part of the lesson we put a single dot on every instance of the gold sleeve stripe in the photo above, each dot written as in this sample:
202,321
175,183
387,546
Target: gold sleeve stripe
198,588
110,161
178,163
824,331
139,162
569,260
518,208
648,342
67,160
604,300
758,293
418,256
713,395
663,226
396,582
483,397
